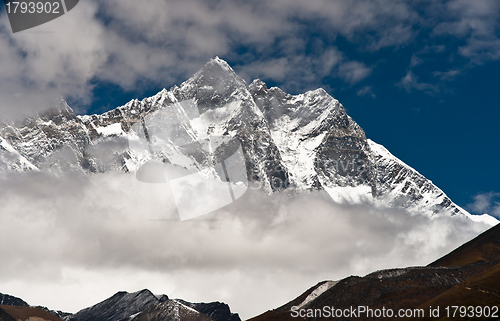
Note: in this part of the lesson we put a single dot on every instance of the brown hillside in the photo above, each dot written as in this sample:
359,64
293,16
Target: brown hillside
26,314
480,290
467,276
4,316
483,248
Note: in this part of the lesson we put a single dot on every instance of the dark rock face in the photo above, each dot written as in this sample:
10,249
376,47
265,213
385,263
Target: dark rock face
60,314
216,87
181,310
10,300
217,311
119,307
343,140
6,299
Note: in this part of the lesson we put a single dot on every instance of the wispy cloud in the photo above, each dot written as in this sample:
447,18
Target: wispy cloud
447,75
411,82
486,203
59,59
437,81
367,90
475,21
137,44
354,71
301,71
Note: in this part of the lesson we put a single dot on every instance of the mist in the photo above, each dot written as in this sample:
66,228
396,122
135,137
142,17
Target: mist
74,240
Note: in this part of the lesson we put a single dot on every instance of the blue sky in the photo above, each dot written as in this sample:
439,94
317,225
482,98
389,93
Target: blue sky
420,77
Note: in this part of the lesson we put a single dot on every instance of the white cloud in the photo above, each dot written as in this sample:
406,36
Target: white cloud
58,58
481,51
486,203
300,71
367,90
388,20
447,75
410,82
139,44
354,71
415,61
83,238
475,21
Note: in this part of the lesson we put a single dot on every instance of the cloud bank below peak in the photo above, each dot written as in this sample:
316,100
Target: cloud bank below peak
110,232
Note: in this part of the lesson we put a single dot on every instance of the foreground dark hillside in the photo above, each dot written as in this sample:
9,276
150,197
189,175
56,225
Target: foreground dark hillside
123,306
24,313
468,276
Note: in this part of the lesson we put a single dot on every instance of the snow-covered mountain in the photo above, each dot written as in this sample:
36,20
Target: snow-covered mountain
10,159
290,142
121,306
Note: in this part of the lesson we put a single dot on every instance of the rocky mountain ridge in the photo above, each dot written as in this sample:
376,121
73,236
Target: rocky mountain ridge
290,142
140,306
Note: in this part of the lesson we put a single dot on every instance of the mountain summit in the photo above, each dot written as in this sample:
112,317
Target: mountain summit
140,306
290,142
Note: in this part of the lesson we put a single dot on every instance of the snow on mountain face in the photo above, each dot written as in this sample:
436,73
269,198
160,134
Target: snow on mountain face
171,310
300,142
217,311
120,306
397,184
300,126
317,292
11,160
145,306
52,141
179,310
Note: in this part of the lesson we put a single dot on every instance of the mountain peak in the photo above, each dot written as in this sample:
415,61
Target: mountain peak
220,62
216,72
6,299
213,85
308,136
258,87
